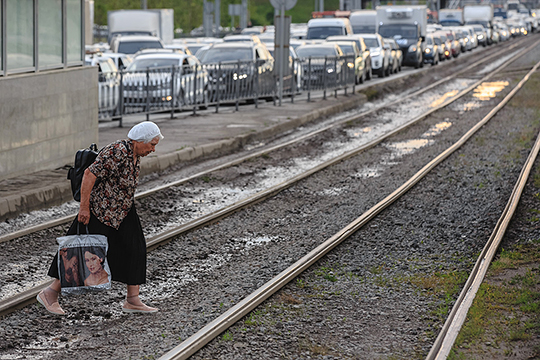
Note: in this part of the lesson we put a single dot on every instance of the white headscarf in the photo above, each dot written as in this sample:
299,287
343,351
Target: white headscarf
144,132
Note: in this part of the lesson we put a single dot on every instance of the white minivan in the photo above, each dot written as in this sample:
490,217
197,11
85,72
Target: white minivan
321,28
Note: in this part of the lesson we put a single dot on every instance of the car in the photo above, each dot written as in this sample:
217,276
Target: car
130,44
160,79
431,52
121,61
322,63
441,46
240,69
108,84
364,50
455,46
380,58
447,44
182,48
321,28
471,35
294,63
242,38
481,35
354,59
395,52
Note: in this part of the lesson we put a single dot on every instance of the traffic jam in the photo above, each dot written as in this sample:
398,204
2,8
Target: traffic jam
335,50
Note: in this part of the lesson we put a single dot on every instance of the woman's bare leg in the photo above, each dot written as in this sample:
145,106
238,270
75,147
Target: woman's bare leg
133,303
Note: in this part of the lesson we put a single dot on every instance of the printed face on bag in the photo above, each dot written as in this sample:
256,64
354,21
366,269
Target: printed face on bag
94,263
71,267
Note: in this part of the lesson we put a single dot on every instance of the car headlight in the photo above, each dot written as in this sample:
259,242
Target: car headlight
239,77
412,48
375,53
427,51
329,70
480,37
350,65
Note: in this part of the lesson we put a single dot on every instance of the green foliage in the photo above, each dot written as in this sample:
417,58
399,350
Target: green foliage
188,13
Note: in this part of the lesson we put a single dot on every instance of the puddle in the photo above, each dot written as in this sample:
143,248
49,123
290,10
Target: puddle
444,98
437,129
488,90
407,147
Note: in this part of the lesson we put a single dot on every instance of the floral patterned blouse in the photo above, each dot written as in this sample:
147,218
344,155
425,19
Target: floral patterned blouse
117,178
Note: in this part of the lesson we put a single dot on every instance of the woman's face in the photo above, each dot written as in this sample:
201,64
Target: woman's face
93,262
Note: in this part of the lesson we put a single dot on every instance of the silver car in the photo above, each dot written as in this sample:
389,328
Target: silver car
161,79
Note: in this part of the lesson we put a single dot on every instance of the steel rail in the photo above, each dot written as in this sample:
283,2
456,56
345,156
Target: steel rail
451,328
10,304
230,317
67,218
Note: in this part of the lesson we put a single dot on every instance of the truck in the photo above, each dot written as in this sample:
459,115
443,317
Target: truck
408,26
363,21
451,17
480,15
153,22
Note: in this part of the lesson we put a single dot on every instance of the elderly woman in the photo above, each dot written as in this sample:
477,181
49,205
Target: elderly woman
107,207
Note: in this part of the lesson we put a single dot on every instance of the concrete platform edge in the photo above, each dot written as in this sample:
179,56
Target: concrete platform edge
57,194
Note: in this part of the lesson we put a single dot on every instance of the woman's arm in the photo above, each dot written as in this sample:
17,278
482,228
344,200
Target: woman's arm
88,182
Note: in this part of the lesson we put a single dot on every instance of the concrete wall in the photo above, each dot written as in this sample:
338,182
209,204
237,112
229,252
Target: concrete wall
45,118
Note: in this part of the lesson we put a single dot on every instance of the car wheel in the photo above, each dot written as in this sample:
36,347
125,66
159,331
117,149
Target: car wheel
369,75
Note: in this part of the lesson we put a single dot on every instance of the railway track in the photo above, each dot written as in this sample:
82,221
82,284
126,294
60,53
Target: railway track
268,289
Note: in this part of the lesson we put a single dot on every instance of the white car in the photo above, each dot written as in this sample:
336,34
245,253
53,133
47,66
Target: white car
298,69
160,79
108,84
380,58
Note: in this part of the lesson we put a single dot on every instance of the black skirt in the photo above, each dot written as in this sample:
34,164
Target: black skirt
127,248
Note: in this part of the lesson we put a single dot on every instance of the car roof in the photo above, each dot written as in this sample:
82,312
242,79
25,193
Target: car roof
327,21
162,56
233,44
330,44
136,38
368,35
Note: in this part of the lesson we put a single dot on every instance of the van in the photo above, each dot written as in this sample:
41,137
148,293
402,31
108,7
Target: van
321,28
364,21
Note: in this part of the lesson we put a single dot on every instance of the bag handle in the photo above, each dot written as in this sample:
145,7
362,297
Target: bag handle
78,232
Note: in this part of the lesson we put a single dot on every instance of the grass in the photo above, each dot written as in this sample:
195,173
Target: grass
506,310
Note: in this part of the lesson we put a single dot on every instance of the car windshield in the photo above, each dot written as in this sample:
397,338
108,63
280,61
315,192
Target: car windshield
304,52
226,54
437,40
429,41
131,47
371,43
322,32
364,29
405,31
347,49
143,64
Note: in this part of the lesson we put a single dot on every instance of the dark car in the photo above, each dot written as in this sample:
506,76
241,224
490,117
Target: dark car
323,63
239,70
431,52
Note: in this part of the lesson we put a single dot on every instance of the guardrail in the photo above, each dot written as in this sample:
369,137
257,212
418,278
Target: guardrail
183,88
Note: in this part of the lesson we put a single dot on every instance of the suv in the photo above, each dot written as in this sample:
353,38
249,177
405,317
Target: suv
380,58
239,69
130,44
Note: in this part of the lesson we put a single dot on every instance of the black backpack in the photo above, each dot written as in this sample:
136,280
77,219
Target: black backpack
83,159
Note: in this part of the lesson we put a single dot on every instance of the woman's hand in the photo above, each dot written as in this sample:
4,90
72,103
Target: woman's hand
84,215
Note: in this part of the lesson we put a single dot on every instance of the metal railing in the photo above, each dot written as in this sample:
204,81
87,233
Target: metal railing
182,88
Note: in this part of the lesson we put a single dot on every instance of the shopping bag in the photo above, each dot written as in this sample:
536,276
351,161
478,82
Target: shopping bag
82,263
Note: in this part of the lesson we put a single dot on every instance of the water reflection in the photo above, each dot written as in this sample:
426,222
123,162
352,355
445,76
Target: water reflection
444,98
406,147
437,128
488,90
